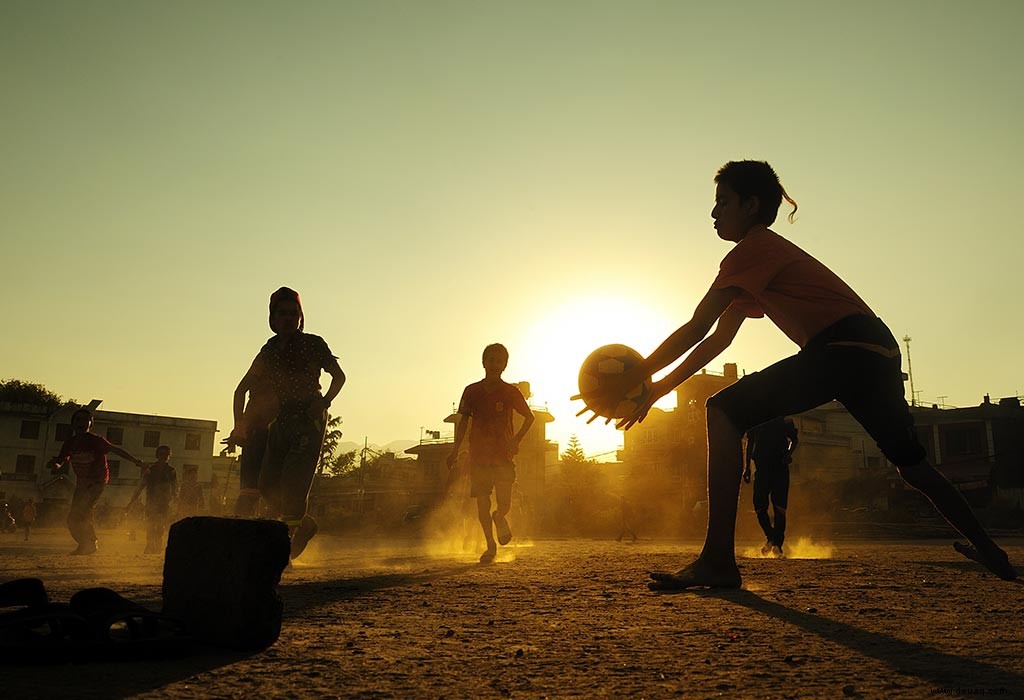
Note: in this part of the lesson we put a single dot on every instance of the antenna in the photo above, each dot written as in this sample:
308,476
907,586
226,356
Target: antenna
910,372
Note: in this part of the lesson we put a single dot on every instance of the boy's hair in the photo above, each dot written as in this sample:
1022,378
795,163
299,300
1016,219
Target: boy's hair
85,411
755,178
163,448
495,347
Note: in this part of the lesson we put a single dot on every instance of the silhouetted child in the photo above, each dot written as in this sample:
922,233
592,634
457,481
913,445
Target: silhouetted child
28,516
190,493
628,516
290,363
87,453
846,353
490,404
770,446
160,481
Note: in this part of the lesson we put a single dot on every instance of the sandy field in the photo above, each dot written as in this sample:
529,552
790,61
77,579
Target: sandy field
570,619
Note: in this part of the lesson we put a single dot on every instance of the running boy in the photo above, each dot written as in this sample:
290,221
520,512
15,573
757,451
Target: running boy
846,353
160,481
770,445
87,453
492,446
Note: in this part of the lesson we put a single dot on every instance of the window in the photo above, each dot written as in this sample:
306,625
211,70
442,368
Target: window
192,441
114,465
63,431
29,430
115,435
151,438
961,442
26,464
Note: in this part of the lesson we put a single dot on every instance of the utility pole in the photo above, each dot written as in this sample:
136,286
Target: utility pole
910,372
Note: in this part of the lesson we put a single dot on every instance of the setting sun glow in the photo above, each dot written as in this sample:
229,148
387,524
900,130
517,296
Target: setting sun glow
554,348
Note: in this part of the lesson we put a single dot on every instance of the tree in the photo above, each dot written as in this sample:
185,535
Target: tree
17,391
574,453
332,464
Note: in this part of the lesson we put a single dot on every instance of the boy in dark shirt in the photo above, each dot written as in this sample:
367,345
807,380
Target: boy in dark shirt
87,453
490,403
161,484
770,445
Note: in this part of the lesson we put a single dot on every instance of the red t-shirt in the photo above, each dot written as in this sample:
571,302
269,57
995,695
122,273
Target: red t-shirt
490,435
779,280
88,455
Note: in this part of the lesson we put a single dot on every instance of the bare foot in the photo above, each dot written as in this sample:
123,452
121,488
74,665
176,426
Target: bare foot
696,575
994,560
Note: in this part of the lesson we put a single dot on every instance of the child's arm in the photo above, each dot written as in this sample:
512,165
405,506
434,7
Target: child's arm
127,455
709,310
460,434
528,419
711,347
142,485
337,381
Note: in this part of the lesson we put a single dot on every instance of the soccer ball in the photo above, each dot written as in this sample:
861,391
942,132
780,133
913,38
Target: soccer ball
600,367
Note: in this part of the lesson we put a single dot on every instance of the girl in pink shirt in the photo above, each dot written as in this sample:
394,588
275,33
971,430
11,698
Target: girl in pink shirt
846,353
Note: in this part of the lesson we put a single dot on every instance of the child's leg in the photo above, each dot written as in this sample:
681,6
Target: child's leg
716,565
725,467
483,514
780,500
503,503
955,509
761,504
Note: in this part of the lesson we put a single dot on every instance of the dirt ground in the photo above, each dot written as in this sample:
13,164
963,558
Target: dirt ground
570,618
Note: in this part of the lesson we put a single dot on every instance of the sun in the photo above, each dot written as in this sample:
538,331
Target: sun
554,347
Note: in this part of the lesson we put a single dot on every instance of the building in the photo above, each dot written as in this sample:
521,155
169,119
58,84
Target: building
31,435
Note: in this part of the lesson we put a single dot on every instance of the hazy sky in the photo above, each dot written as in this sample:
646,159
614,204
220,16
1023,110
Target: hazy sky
435,176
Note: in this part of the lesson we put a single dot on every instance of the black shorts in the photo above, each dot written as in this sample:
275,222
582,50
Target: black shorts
855,361
771,481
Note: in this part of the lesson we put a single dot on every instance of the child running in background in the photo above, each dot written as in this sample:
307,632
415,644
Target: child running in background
87,453
846,353
190,493
28,516
490,404
290,364
160,481
770,446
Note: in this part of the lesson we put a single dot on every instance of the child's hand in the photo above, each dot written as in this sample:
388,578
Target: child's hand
658,389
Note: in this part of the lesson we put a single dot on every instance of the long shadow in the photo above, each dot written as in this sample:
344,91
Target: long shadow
939,668
114,679
300,596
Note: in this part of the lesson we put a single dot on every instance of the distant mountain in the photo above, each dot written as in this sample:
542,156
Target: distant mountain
397,446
